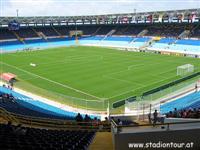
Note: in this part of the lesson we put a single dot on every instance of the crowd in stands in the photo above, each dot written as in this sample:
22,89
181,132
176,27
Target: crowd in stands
185,113
6,97
87,120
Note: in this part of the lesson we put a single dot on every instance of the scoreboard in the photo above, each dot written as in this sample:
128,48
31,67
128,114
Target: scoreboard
13,25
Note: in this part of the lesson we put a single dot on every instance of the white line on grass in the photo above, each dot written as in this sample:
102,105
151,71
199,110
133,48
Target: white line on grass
67,60
139,88
108,77
133,66
145,85
66,86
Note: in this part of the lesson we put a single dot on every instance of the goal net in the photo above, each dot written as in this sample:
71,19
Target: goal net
185,69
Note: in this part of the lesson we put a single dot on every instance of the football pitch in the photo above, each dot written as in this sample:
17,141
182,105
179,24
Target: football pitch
89,77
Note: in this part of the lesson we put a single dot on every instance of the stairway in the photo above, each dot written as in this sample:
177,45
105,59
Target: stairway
102,140
142,33
147,44
96,31
18,37
40,34
184,34
56,31
5,115
109,34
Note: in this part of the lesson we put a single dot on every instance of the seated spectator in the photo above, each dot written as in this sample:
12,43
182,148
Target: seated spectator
79,118
191,113
95,122
9,127
175,113
119,122
87,118
19,130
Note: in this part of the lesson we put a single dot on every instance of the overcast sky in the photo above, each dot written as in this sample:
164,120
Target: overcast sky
89,7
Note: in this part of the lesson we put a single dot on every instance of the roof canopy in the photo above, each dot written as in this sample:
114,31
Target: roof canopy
8,76
105,18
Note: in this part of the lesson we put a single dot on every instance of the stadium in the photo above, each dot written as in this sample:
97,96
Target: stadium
67,82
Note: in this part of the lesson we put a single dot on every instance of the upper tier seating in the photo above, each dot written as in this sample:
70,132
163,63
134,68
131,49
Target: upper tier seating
6,34
26,33
47,31
129,30
104,30
163,30
64,30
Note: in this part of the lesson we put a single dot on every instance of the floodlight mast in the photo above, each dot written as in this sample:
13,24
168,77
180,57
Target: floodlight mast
76,32
17,11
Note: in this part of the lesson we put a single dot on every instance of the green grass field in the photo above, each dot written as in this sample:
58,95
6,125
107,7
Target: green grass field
71,74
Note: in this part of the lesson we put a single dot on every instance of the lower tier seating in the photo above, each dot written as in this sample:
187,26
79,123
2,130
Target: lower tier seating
18,137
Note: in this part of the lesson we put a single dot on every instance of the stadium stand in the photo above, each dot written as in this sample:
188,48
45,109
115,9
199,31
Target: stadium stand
190,101
10,104
5,34
18,137
47,31
20,104
26,33
185,113
162,30
49,127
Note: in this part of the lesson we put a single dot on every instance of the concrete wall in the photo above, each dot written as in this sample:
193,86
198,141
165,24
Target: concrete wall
121,140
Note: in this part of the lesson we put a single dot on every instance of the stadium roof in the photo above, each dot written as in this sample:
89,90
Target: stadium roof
108,18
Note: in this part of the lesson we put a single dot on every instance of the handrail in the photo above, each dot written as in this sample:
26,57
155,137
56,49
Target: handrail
55,123
8,115
115,124
171,123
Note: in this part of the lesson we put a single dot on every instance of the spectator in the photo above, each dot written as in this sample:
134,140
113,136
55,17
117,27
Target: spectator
19,130
155,117
87,118
119,122
191,113
175,114
79,118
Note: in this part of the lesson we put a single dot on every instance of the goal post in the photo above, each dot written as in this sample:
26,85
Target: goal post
185,69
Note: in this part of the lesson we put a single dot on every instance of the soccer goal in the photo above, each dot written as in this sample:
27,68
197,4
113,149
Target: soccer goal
185,69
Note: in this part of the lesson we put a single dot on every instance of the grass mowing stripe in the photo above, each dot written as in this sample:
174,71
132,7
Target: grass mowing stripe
132,73
52,81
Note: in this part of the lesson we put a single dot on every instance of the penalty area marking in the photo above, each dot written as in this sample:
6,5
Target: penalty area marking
66,86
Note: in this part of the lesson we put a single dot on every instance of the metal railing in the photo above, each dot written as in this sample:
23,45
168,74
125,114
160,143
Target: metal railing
117,128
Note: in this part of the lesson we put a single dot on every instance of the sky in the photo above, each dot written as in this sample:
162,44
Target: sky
89,7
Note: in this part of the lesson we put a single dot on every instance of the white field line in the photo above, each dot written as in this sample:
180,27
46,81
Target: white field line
108,77
66,86
133,66
129,68
51,64
66,60
57,104
138,88
141,85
